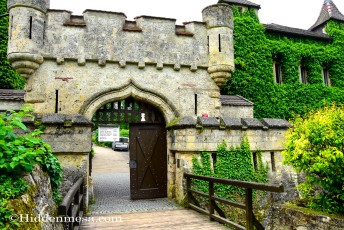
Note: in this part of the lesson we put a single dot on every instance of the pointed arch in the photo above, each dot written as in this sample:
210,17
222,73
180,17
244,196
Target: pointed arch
130,89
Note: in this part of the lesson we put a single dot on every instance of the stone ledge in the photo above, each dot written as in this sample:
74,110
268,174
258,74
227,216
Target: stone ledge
209,122
276,123
58,119
230,123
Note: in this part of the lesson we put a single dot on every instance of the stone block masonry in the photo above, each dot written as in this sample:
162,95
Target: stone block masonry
69,59
190,136
68,135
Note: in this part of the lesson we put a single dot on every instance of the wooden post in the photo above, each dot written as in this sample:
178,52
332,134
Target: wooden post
188,187
211,195
249,209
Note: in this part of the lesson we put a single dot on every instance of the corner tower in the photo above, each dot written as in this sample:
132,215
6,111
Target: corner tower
219,22
26,34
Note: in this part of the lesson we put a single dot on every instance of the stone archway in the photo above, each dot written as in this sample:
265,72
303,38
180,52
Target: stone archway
130,89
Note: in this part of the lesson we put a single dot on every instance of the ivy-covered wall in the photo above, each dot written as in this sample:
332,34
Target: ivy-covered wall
9,79
255,52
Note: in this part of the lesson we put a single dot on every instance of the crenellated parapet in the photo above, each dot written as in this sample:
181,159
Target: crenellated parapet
107,37
38,33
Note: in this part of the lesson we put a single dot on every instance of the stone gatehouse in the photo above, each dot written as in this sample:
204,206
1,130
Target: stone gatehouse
74,65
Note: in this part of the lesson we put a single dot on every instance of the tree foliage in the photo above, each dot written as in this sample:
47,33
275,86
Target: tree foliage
9,78
255,50
315,146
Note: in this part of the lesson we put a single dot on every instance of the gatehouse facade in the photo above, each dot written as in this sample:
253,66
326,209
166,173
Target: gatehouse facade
74,65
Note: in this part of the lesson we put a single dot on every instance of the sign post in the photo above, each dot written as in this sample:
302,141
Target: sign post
108,133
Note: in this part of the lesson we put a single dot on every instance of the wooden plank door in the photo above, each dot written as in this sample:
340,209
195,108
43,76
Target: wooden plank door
148,161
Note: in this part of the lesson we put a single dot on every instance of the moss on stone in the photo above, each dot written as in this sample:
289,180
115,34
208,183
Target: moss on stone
308,211
174,122
25,205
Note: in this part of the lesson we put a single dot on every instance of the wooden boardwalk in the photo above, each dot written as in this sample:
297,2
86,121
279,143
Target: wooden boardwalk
167,219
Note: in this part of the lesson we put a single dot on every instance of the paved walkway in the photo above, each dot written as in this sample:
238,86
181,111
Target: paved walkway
113,208
112,186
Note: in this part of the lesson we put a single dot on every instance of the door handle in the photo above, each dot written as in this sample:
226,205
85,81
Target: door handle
132,164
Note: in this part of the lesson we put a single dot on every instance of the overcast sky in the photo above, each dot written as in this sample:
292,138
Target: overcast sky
293,13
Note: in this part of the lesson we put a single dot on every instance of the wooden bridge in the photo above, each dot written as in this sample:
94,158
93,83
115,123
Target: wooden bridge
72,204
168,219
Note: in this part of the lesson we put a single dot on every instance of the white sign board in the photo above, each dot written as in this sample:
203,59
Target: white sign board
108,133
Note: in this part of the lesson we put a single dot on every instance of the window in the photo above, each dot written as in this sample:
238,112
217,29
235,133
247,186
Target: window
303,75
30,29
326,76
277,68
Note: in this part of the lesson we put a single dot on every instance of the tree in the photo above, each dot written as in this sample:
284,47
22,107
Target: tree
9,78
315,146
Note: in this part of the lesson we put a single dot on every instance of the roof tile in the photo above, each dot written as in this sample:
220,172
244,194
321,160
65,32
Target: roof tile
241,2
295,32
235,100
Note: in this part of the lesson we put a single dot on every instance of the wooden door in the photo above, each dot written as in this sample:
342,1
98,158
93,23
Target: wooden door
148,161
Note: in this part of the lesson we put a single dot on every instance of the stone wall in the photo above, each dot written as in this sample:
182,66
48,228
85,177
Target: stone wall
76,64
189,136
11,99
237,111
70,138
290,217
72,89
10,105
37,202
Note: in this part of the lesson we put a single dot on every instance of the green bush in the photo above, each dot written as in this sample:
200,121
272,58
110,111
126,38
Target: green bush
124,133
18,155
315,146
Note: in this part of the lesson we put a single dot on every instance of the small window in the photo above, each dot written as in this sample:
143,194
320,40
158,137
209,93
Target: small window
30,29
326,76
220,45
303,75
277,68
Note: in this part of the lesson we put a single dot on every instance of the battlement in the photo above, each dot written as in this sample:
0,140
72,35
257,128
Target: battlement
109,37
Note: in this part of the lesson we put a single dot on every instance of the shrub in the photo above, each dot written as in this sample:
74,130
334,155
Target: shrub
315,146
18,155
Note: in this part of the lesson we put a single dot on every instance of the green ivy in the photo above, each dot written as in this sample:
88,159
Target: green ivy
18,155
9,78
234,163
255,50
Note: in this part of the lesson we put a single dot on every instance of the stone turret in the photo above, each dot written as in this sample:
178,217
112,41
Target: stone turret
219,22
26,34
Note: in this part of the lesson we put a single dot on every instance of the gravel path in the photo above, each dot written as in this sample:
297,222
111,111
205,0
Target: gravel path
112,186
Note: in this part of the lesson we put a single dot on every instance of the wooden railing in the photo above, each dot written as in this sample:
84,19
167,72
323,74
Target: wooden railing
72,206
220,216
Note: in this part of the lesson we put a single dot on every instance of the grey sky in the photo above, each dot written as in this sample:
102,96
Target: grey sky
293,13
